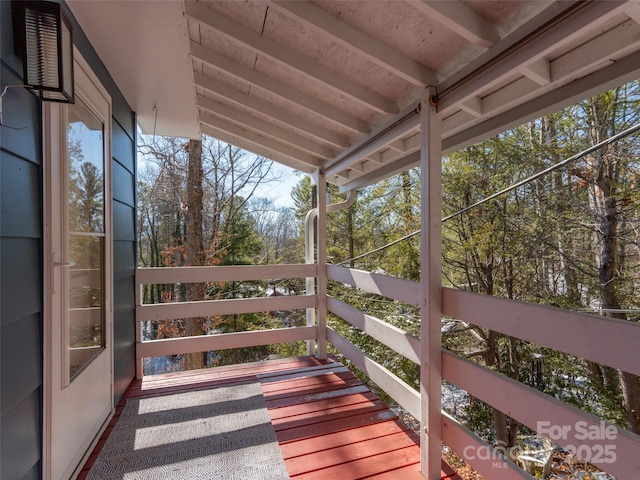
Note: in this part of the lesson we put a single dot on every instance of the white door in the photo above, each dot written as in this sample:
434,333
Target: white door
78,274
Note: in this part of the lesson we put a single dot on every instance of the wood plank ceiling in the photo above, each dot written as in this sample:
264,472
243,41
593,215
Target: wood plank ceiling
301,82
334,84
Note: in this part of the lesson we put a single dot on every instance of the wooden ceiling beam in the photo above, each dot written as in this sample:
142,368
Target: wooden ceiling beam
305,161
263,127
277,52
357,41
263,107
459,18
236,70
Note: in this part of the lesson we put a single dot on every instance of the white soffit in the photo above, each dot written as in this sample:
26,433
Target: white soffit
145,47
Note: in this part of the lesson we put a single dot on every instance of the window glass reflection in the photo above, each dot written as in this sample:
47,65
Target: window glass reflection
86,170
86,248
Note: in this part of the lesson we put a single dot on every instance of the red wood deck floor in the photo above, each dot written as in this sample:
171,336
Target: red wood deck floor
329,425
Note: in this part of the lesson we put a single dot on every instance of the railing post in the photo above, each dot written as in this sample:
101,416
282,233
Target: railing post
310,282
322,265
138,330
431,288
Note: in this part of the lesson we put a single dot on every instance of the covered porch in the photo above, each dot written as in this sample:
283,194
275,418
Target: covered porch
345,93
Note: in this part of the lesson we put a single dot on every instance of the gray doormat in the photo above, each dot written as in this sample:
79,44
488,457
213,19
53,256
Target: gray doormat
219,433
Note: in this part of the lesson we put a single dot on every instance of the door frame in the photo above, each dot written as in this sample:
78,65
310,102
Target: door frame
55,148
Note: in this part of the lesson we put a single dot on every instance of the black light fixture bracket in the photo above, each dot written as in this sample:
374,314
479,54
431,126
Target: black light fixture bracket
43,38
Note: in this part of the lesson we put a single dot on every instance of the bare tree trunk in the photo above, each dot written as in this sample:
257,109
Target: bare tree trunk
608,274
506,428
631,393
350,233
606,178
412,271
195,254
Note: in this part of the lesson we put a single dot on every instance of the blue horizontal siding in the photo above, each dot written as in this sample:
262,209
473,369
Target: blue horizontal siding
124,222
124,315
20,271
21,357
20,109
123,185
123,147
21,278
19,208
21,437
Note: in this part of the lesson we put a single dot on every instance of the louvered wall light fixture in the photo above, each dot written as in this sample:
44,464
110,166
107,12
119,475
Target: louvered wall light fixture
43,35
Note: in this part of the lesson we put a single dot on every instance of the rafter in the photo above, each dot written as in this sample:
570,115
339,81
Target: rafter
263,127
401,125
608,47
588,17
355,40
263,107
240,72
473,106
256,146
285,56
259,139
633,10
402,164
619,72
460,19
538,71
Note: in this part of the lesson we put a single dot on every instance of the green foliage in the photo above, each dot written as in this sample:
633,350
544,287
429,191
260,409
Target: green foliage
544,242
241,243
302,200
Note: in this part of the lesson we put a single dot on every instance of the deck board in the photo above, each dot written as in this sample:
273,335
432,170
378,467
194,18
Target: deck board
338,439
354,397
348,453
328,424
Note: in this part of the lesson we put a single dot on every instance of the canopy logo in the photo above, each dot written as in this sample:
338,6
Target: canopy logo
497,455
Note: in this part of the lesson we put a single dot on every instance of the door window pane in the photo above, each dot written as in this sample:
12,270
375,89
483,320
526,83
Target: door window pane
86,170
85,234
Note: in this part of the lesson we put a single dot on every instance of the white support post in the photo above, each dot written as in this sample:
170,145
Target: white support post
322,265
138,329
310,282
431,287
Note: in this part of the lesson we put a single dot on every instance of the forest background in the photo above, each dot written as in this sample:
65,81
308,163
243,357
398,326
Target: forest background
570,239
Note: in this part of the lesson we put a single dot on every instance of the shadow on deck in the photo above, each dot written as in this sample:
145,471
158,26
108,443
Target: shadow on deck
328,424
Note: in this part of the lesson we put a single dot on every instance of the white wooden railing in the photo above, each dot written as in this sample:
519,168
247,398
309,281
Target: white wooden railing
168,311
603,340
607,341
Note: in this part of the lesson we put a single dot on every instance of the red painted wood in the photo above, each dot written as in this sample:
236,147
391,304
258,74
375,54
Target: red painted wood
293,385
307,394
349,453
326,428
337,439
412,472
320,405
336,425
305,371
328,415
365,467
